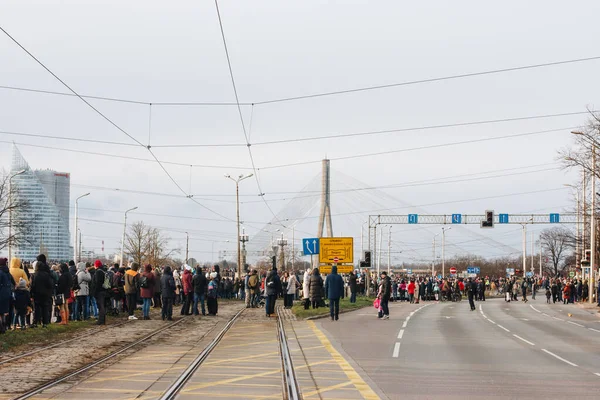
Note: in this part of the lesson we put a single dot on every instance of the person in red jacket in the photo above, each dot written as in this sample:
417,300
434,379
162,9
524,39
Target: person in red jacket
147,283
188,290
411,291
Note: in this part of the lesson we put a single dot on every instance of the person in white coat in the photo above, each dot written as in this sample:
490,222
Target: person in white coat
291,289
306,289
82,295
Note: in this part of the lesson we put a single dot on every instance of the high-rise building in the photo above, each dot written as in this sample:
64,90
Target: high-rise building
47,194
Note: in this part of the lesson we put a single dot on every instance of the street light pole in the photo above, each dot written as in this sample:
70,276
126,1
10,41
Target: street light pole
187,246
433,257
76,254
124,231
389,250
444,249
524,250
10,205
237,202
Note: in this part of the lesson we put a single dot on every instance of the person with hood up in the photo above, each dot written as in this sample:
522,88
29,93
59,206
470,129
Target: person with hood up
213,289
200,284
167,288
42,289
353,287
6,291
157,289
254,285
306,289
178,288
132,284
315,286
63,292
99,291
82,296
147,284
22,301
334,288
188,290
17,271
272,288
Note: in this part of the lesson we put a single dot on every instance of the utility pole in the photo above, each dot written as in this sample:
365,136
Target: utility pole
75,248
433,257
593,229
123,242
379,253
237,202
187,246
79,252
282,243
532,250
444,250
389,250
524,249
244,239
540,256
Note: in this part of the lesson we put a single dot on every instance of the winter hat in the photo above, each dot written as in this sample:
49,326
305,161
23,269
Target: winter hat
188,267
97,263
213,275
42,258
22,283
3,262
71,263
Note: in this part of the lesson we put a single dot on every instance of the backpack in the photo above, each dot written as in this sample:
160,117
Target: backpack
144,282
212,290
75,285
106,284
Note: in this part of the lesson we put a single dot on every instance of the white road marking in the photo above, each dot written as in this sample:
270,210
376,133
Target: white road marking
597,373
575,323
500,326
408,318
545,314
396,350
595,330
525,340
559,358
524,319
412,313
558,319
535,309
491,321
404,324
481,307
401,334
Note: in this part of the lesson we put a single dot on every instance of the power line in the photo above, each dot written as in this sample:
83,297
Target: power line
429,80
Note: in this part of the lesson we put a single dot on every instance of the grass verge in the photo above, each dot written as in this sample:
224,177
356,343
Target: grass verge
11,340
345,305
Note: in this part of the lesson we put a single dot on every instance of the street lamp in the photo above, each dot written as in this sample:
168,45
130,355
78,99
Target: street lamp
593,219
124,230
10,205
244,238
433,258
444,250
237,202
75,248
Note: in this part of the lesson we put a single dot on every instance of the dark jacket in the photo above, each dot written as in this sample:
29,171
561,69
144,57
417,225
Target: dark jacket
65,282
22,300
334,285
167,284
272,283
42,286
157,275
315,286
98,281
6,288
200,283
352,283
148,292
386,291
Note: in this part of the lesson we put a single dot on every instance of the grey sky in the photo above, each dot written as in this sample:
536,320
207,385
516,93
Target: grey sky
157,52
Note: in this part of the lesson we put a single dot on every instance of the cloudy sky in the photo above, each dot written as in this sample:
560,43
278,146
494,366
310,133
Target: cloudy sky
151,53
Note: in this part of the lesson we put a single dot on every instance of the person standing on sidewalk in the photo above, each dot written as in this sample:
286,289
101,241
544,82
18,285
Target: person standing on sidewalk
334,288
99,291
200,284
272,289
386,293
167,288
247,290
147,284
188,290
353,286
132,283
291,290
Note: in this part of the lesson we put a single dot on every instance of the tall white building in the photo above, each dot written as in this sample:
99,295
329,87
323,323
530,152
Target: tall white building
48,195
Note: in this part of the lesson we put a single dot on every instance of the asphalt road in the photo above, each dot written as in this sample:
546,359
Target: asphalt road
504,350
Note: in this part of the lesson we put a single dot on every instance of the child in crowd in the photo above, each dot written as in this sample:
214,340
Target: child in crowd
22,301
548,295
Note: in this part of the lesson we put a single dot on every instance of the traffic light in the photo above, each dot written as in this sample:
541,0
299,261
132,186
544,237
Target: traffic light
488,222
368,259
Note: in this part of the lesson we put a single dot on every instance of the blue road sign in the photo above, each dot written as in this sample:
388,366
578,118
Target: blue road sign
555,218
473,270
310,246
529,274
413,218
503,218
409,271
439,276
456,218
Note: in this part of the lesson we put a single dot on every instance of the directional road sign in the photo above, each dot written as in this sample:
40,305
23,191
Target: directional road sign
473,270
503,218
439,276
409,271
310,246
413,218
555,218
341,269
453,270
529,274
340,248
456,218
510,271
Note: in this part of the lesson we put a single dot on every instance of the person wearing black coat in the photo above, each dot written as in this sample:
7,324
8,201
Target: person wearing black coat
334,289
353,286
7,284
99,291
471,290
272,289
65,283
167,287
42,289
200,285
386,293
315,286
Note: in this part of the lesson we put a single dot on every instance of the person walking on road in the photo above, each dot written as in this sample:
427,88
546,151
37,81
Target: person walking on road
272,288
315,286
411,291
524,290
147,284
167,288
471,290
384,295
334,288
132,283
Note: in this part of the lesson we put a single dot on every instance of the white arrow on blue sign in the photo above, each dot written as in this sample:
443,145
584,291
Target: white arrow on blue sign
554,218
413,218
310,246
456,218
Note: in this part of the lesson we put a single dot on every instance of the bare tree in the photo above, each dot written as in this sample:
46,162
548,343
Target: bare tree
587,139
557,243
136,242
157,252
20,221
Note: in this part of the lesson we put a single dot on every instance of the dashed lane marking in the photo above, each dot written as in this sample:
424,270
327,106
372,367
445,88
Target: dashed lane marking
359,383
396,350
559,319
535,309
525,340
595,330
597,373
559,358
501,327
481,308
491,321
404,324
401,334
575,323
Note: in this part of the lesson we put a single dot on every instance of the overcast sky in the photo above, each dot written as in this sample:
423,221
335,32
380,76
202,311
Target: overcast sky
157,52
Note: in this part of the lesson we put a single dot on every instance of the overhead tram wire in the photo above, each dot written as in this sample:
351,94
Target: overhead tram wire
429,80
109,121
237,100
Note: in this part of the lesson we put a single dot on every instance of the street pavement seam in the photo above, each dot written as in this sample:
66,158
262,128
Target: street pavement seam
396,351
